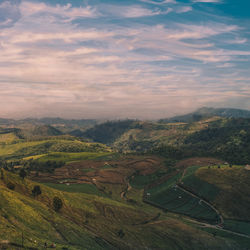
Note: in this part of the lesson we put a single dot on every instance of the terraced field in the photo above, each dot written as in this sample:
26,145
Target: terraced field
176,200
218,195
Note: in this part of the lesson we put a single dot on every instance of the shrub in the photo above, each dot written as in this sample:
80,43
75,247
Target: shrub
22,173
36,190
2,174
11,185
120,233
57,204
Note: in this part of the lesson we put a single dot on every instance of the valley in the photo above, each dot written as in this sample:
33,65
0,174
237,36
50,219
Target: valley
150,185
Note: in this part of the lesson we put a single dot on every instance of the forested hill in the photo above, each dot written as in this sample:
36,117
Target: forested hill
109,131
206,112
230,142
224,138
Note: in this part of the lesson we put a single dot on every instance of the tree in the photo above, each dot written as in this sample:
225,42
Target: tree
36,190
22,173
2,174
57,203
120,233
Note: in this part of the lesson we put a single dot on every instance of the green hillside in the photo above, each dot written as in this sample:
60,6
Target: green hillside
214,194
90,222
24,149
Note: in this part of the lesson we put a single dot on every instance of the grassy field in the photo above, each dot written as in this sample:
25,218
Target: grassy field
77,188
233,196
70,157
140,181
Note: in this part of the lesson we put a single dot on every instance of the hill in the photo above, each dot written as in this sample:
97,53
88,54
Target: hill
205,112
45,130
109,131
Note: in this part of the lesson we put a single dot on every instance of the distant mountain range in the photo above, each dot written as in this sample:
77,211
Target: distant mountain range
199,114
49,121
206,112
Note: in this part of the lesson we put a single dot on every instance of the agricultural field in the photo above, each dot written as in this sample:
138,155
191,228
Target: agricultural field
238,226
76,188
212,194
108,173
71,157
170,197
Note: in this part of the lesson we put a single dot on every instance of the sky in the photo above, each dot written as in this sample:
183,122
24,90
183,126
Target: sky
111,59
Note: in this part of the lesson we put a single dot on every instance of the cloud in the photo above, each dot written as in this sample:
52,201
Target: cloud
206,1
184,9
132,11
162,2
238,41
67,12
9,13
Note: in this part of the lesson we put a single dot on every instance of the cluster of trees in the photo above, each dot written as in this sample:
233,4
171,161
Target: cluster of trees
43,166
74,147
32,165
230,142
59,146
107,132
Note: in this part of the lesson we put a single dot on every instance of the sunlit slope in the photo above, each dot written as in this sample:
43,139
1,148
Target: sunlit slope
6,138
30,149
91,222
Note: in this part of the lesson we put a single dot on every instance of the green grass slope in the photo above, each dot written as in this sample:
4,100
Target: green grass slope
91,222
58,148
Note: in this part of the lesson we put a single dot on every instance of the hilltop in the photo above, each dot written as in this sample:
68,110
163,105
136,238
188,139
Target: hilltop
206,112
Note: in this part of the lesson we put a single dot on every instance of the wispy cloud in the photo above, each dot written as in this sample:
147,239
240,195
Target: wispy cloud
66,12
132,11
207,1
184,9
161,2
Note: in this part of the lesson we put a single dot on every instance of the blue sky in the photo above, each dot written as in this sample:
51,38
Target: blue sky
144,59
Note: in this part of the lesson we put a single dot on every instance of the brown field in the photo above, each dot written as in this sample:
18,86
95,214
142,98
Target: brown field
106,172
198,161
